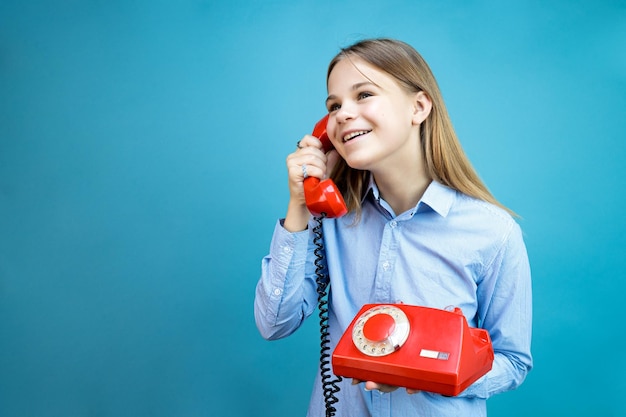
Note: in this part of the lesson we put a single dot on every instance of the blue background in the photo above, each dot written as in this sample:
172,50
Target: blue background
142,169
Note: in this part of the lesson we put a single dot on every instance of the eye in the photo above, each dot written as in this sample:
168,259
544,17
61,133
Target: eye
364,94
333,107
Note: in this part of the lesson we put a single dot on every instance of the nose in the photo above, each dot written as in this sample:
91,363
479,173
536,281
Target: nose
346,112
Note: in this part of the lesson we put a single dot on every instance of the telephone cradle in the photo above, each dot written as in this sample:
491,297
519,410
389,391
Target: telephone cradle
416,347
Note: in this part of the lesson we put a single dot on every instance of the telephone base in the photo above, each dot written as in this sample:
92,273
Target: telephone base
441,354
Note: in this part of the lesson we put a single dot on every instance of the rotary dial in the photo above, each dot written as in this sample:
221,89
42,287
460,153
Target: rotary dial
381,330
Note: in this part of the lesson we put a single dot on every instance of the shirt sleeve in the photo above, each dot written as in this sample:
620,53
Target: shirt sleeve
284,296
505,311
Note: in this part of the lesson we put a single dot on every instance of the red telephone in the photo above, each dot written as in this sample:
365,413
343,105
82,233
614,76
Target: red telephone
415,347
323,196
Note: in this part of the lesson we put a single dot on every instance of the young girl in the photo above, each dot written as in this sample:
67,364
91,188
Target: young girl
422,229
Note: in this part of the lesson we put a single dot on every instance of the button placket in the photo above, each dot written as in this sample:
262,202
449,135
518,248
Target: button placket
386,260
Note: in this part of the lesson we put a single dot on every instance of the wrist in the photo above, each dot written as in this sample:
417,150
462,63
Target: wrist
297,218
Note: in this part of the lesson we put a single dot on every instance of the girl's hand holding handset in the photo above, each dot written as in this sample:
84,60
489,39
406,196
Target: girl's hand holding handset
308,160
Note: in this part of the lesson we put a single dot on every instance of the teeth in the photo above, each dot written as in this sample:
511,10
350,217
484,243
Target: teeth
354,134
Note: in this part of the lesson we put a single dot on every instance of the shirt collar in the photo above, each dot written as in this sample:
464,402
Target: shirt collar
437,197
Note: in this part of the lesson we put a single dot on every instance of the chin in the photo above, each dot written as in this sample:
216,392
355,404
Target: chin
358,163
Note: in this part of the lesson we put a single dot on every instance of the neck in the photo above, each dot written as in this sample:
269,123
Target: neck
402,190
402,178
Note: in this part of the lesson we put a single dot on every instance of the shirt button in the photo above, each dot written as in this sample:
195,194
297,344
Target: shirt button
393,224
277,291
386,265
287,249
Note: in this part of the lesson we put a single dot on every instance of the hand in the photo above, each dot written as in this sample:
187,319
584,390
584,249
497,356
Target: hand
384,388
310,154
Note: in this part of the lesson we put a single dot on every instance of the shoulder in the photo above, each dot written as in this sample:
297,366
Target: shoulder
482,219
471,206
458,207
491,231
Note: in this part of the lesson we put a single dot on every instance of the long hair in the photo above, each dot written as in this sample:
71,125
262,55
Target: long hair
444,157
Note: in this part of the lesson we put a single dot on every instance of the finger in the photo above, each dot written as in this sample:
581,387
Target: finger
370,386
386,388
297,171
308,155
313,159
309,141
412,391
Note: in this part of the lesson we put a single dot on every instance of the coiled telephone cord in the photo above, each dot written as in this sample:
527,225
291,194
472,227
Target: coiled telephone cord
329,385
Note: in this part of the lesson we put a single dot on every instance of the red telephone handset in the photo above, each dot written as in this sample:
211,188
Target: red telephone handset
323,196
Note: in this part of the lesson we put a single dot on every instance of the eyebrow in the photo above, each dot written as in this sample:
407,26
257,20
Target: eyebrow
354,87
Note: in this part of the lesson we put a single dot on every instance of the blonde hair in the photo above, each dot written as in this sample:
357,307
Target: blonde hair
445,159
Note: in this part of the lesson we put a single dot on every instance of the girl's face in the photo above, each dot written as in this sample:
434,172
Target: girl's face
374,123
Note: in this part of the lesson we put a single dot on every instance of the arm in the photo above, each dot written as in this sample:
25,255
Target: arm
285,295
287,292
505,310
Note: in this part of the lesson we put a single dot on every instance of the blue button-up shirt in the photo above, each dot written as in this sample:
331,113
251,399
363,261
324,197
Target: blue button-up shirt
449,250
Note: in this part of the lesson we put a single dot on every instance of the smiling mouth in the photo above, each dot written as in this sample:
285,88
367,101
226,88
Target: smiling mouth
353,135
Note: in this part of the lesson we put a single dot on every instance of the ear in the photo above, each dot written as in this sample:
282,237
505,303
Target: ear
422,105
